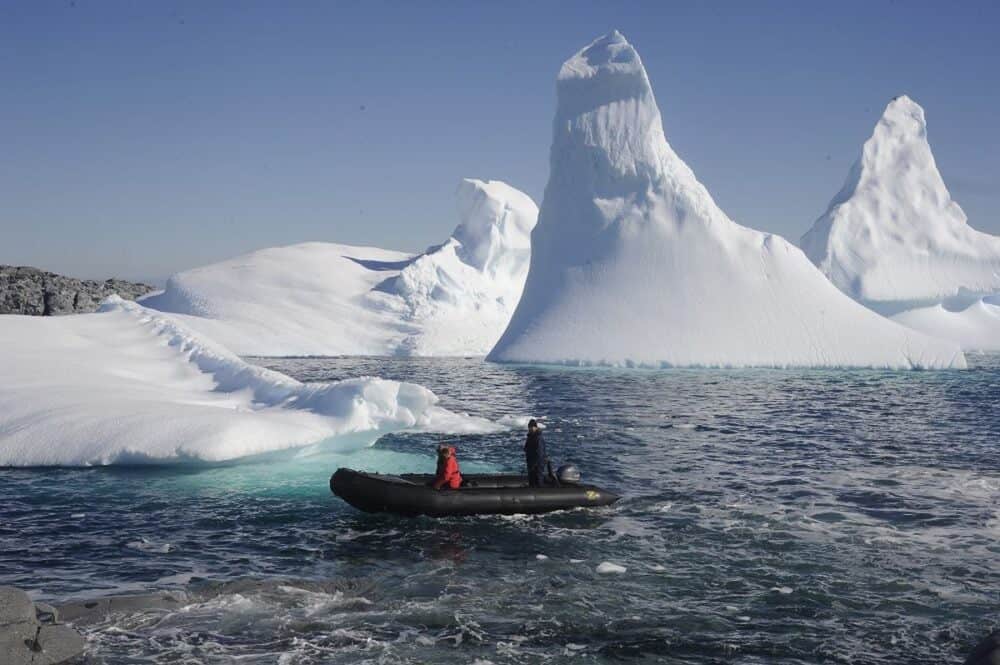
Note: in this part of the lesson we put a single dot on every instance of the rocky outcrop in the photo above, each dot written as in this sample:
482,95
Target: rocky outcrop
986,652
25,290
85,612
31,634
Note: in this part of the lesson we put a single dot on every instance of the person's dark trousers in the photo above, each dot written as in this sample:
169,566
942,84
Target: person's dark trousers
536,476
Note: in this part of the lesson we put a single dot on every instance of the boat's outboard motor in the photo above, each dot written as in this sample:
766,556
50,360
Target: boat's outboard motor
568,473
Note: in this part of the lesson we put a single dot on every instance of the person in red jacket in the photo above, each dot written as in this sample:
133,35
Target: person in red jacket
448,474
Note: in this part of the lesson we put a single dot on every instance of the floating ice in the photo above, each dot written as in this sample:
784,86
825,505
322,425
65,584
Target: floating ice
128,385
146,545
894,240
633,264
976,327
329,299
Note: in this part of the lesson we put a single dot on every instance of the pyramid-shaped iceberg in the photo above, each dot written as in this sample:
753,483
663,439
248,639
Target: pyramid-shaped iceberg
633,263
894,240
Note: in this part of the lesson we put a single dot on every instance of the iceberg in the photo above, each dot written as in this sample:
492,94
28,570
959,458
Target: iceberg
328,299
894,240
633,263
976,327
128,385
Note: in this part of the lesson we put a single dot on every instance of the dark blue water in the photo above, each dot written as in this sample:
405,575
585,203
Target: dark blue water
770,517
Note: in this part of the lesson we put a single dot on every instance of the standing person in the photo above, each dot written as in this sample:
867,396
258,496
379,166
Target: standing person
534,453
448,474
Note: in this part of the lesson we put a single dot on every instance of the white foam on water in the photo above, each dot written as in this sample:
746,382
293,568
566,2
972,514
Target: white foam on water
177,579
146,545
517,422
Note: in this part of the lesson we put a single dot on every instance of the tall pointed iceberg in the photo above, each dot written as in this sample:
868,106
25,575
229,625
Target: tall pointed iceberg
633,263
894,240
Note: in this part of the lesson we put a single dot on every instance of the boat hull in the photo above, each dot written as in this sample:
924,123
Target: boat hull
411,495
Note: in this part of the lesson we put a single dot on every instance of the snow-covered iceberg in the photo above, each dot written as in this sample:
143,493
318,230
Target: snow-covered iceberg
330,299
634,264
894,240
976,327
128,385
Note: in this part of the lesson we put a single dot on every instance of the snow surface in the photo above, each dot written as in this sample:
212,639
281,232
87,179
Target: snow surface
331,299
633,263
894,240
128,385
975,328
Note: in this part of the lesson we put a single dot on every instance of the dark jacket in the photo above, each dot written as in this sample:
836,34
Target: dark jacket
534,449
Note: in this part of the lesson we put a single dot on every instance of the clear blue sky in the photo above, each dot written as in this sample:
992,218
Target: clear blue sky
141,138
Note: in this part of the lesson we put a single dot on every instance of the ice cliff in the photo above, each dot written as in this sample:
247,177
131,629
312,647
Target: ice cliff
634,264
894,240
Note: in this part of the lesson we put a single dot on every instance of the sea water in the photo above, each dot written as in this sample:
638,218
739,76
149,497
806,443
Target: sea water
767,517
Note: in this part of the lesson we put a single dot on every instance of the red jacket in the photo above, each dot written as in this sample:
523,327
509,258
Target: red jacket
448,474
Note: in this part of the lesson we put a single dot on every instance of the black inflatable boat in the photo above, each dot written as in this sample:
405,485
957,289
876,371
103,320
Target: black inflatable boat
411,495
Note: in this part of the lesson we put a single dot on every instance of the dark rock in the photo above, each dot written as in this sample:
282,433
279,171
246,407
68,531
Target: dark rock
986,652
46,614
31,291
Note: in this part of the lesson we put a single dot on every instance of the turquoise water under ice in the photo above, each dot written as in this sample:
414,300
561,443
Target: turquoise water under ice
769,517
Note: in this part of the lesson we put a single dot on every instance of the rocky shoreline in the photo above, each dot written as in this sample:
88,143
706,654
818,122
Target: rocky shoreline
32,633
26,290
35,633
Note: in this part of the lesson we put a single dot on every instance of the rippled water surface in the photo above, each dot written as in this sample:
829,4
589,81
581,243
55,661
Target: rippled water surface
769,517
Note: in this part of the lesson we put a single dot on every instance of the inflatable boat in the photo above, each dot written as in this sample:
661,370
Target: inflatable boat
411,495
